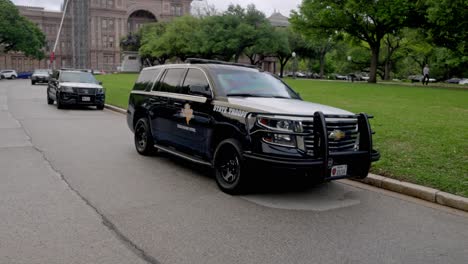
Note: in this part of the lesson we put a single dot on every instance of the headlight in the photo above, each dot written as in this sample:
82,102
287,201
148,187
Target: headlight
99,91
66,89
276,124
279,125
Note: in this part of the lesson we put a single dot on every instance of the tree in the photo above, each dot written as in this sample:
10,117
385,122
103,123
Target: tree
152,48
227,36
287,42
447,23
365,20
18,33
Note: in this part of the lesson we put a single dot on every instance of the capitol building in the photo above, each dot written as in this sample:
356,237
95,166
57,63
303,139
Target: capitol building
92,31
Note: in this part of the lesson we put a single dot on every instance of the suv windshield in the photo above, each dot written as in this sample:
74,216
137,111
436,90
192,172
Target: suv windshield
78,77
250,83
41,72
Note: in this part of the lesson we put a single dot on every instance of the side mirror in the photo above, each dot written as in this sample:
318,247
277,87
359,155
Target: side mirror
100,83
202,90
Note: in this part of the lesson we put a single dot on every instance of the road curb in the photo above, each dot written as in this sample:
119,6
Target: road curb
417,191
116,109
406,188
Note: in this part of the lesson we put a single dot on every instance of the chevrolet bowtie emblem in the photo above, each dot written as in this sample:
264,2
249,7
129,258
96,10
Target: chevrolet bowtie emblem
336,135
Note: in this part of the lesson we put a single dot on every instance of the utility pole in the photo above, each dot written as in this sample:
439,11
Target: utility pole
52,55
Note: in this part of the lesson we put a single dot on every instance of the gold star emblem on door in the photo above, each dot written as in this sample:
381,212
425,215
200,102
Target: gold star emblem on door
187,112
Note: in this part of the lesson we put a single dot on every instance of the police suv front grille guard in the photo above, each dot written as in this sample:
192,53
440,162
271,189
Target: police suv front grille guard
321,135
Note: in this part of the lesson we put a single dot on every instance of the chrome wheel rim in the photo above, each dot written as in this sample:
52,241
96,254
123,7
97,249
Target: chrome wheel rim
141,136
229,168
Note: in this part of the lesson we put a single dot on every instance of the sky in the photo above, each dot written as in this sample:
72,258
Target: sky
266,6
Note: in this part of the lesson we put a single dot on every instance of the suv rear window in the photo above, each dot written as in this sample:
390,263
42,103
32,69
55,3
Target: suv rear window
146,79
171,81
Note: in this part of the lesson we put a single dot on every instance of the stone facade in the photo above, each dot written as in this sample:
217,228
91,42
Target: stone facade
104,24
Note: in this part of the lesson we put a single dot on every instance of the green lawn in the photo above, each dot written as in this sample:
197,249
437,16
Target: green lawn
421,132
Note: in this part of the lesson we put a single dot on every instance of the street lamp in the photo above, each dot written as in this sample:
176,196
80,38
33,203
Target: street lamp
294,55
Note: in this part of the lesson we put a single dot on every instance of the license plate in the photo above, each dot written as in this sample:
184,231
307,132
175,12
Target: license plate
340,170
85,98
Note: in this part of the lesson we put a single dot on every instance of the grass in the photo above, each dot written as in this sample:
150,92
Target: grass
118,87
421,132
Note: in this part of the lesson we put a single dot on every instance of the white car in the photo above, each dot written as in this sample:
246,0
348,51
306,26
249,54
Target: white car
463,81
9,74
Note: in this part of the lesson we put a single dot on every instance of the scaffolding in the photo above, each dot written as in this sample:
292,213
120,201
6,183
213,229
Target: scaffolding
79,12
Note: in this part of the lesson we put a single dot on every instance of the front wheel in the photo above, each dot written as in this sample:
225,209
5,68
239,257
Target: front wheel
100,107
229,167
13,77
143,138
49,101
59,104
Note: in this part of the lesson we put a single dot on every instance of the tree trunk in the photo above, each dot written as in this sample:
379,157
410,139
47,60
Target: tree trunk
322,64
387,69
374,63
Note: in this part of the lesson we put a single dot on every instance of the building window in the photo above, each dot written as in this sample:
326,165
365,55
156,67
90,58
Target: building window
176,10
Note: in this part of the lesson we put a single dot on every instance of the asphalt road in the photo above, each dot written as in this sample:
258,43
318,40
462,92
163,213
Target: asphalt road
74,190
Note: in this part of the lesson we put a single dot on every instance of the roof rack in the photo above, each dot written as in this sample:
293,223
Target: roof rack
81,70
205,61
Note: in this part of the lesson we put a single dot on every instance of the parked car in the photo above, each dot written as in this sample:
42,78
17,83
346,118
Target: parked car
24,75
340,77
9,74
463,81
75,87
453,80
419,78
237,119
40,76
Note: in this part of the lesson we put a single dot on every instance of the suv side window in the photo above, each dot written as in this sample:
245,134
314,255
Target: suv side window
171,81
195,77
146,80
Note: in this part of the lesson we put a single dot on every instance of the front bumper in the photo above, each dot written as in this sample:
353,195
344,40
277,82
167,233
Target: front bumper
358,166
76,99
40,79
324,158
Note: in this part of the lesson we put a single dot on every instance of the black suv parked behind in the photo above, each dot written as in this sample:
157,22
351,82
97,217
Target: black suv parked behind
234,118
75,87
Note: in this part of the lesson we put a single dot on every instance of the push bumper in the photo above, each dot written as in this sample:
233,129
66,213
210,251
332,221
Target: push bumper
324,159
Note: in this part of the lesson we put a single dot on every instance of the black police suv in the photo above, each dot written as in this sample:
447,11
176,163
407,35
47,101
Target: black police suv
236,118
75,87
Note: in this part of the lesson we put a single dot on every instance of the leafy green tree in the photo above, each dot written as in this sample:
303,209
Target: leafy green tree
18,33
447,23
365,20
228,35
152,48
286,42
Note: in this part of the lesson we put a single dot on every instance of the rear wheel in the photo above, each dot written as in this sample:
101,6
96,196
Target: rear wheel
144,143
229,167
33,82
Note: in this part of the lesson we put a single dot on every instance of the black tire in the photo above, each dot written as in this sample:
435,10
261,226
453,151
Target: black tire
13,77
59,104
100,107
143,139
33,82
230,167
49,101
